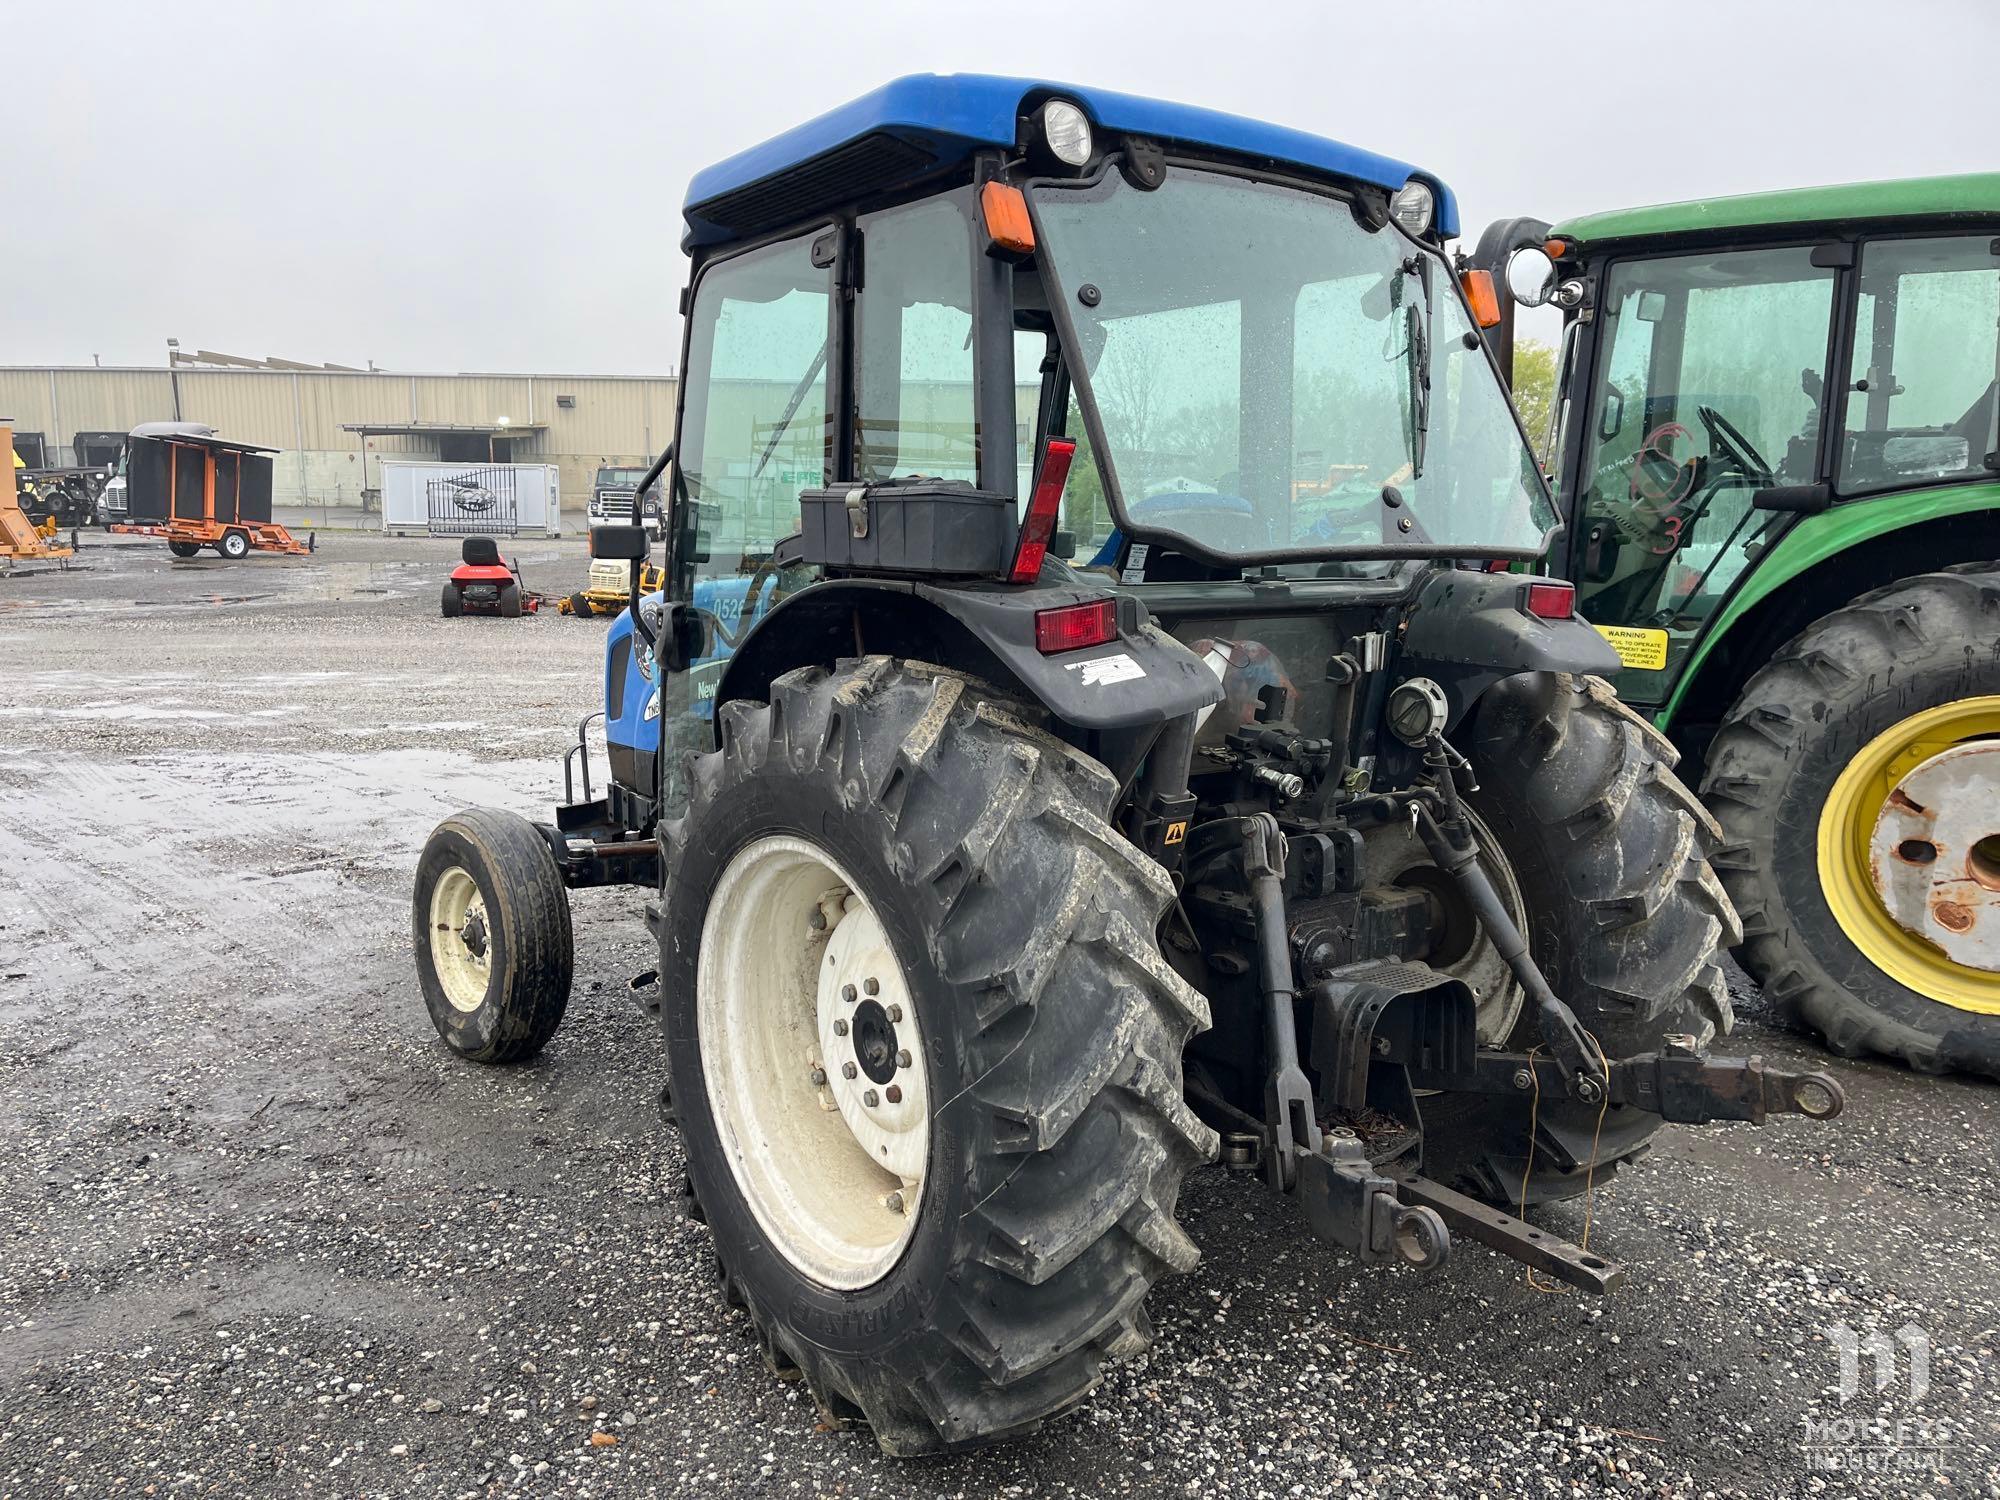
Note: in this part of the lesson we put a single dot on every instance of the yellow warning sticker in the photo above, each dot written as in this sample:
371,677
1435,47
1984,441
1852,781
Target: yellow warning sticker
1636,647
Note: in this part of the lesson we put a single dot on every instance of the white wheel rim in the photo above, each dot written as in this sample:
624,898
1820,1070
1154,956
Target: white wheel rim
461,939
797,987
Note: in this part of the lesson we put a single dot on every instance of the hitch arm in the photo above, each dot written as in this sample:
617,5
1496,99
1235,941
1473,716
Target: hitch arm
1288,1101
1556,1021
1677,1083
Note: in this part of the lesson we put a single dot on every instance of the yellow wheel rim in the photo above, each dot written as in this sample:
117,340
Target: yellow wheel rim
1847,826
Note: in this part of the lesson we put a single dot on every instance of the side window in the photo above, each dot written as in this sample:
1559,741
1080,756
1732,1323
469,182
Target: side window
755,429
913,408
1921,403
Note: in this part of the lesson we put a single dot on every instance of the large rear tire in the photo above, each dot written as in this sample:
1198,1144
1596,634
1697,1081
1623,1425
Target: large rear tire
1804,771
1624,915
973,1295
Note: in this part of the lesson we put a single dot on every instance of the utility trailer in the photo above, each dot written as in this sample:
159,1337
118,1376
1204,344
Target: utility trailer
194,490
995,890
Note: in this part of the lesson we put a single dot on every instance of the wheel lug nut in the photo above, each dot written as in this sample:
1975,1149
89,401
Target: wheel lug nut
848,1070
840,1028
895,1013
847,993
894,1093
870,1098
894,1203
903,1058
819,1078
871,987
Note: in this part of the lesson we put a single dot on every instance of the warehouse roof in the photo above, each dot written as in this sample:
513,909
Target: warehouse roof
928,122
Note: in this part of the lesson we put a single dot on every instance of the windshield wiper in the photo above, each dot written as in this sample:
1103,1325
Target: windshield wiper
1417,346
792,408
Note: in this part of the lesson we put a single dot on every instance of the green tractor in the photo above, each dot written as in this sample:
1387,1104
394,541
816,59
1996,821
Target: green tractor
1776,435
1089,731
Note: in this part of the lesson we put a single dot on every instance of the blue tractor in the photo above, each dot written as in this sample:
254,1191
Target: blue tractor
1095,726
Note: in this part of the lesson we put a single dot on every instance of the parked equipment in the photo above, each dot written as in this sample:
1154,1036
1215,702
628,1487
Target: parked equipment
615,498
67,497
608,588
20,539
194,490
993,894
485,584
1780,437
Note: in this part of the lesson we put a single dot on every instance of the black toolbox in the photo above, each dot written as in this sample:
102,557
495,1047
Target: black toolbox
909,526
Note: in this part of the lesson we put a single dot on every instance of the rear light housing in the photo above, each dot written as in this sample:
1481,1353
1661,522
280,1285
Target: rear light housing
1039,524
1549,601
1074,626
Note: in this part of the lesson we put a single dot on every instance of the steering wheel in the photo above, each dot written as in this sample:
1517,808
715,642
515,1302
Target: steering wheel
1722,434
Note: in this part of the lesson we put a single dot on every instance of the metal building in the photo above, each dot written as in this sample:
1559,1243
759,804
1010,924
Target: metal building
332,427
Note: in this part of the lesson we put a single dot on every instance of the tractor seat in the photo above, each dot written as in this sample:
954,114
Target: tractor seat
481,552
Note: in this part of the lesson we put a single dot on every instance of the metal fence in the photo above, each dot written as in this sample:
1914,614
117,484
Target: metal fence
475,501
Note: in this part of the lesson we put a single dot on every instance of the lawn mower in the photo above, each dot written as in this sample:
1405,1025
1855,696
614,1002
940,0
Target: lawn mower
483,584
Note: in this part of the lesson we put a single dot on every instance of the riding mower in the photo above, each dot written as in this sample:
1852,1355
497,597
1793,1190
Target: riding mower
994,893
484,584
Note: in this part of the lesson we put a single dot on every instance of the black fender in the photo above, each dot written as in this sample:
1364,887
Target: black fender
1137,681
1467,630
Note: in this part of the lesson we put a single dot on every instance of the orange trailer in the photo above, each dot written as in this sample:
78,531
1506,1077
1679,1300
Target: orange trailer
194,492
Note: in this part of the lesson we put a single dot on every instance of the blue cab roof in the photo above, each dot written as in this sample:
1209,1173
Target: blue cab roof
931,121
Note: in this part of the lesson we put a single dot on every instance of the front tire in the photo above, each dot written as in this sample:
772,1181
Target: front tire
1803,772
1021,926
235,546
491,926
1624,916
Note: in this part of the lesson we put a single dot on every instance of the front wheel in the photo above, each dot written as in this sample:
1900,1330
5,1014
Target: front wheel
926,1056
235,545
1858,780
490,922
1606,849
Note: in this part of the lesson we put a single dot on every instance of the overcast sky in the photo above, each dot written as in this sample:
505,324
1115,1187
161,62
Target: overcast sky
496,186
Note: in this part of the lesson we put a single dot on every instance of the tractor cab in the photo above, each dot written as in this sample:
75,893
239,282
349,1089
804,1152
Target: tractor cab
1777,440
1089,730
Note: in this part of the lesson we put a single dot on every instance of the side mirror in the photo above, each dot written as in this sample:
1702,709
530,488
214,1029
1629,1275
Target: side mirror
1531,276
620,543
683,635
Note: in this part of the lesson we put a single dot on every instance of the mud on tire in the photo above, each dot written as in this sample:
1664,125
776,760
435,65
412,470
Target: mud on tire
1053,1034
1625,917
1845,679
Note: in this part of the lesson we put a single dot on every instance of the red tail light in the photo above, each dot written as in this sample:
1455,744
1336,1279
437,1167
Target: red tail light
1040,521
1075,626
1549,601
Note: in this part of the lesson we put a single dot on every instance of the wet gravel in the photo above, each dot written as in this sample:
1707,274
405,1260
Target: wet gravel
260,1234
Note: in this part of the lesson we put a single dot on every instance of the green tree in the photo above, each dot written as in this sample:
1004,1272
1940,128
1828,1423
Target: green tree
1534,386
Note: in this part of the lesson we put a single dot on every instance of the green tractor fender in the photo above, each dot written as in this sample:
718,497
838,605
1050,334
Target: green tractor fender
1819,564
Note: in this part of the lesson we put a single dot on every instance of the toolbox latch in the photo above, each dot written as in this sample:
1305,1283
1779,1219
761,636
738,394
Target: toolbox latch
857,511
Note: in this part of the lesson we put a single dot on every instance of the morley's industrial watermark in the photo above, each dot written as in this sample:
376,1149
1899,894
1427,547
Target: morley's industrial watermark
1846,1443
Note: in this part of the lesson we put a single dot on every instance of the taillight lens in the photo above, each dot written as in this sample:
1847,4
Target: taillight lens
1550,601
1040,522
1075,626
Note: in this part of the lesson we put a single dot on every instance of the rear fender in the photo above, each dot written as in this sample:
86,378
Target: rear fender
1468,630
1118,693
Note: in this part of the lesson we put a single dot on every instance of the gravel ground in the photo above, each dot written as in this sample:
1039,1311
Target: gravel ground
260,1234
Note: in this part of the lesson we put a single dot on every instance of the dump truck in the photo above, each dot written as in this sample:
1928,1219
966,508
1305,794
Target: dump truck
1778,448
1033,809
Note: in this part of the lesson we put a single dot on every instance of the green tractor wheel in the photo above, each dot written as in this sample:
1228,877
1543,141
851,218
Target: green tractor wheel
1858,780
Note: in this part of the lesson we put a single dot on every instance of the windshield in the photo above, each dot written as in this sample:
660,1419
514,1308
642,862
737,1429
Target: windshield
1274,380
620,478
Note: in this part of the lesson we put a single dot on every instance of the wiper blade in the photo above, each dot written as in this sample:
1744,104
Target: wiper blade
792,408
1420,390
